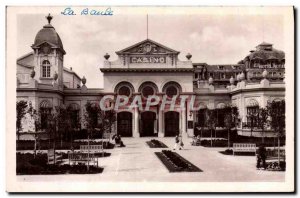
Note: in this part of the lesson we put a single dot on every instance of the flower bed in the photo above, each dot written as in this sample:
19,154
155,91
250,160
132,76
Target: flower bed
175,163
156,144
230,152
27,165
273,166
215,143
44,145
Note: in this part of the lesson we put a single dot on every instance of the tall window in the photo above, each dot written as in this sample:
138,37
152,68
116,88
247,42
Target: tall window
45,112
252,116
201,117
220,118
46,69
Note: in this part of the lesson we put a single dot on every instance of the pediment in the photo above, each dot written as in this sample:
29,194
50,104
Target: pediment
147,47
45,43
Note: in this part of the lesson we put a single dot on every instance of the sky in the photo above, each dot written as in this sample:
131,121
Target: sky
209,38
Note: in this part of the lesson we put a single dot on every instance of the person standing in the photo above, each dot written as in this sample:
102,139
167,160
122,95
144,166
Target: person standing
261,157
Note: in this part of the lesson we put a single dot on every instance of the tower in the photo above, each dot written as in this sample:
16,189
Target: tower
48,55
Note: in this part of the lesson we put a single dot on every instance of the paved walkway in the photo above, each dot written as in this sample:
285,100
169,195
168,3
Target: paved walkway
137,162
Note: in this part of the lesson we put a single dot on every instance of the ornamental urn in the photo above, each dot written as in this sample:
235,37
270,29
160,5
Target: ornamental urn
210,81
106,56
242,76
265,73
55,76
188,56
32,74
83,80
231,80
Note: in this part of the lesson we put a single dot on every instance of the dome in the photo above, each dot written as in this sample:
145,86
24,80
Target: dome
49,35
264,52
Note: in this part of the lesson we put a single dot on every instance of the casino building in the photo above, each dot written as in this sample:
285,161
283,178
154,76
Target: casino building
148,68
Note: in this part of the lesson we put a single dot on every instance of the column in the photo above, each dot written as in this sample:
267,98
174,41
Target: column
183,126
136,123
160,124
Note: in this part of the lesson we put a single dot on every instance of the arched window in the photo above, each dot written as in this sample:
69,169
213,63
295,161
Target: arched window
172,89
46,69
252,113
45,111
124,91
124,88
74,110
148,89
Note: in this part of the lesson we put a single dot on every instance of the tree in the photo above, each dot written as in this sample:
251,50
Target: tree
110,117
35,117
92,117
276,111
262,121
64,122
21,112
75,122
231,115
210,121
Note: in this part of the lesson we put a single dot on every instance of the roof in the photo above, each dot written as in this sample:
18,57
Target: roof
267,54
145,41
265,44
265,51
72,72
48,34
26,60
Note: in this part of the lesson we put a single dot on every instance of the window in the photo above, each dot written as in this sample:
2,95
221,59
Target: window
45,112
221,67
124,91
220,118
222,76
46,69
147,91
171,91
252,116
201,117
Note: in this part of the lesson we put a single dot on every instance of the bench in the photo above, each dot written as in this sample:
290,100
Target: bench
244,147
84,158
105,138
92,149
53,158
272,155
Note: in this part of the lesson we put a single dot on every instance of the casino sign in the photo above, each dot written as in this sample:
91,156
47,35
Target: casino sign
148,59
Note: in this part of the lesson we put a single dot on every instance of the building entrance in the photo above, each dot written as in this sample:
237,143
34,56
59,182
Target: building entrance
171,124
124,124
147,124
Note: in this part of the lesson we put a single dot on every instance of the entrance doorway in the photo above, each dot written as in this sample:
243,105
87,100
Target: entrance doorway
171,124
124,124
147,124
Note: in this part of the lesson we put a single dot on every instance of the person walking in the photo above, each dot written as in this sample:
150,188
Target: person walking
181,144
176,142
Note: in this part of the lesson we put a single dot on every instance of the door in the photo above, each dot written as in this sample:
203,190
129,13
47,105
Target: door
171,124
147,124
124,124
